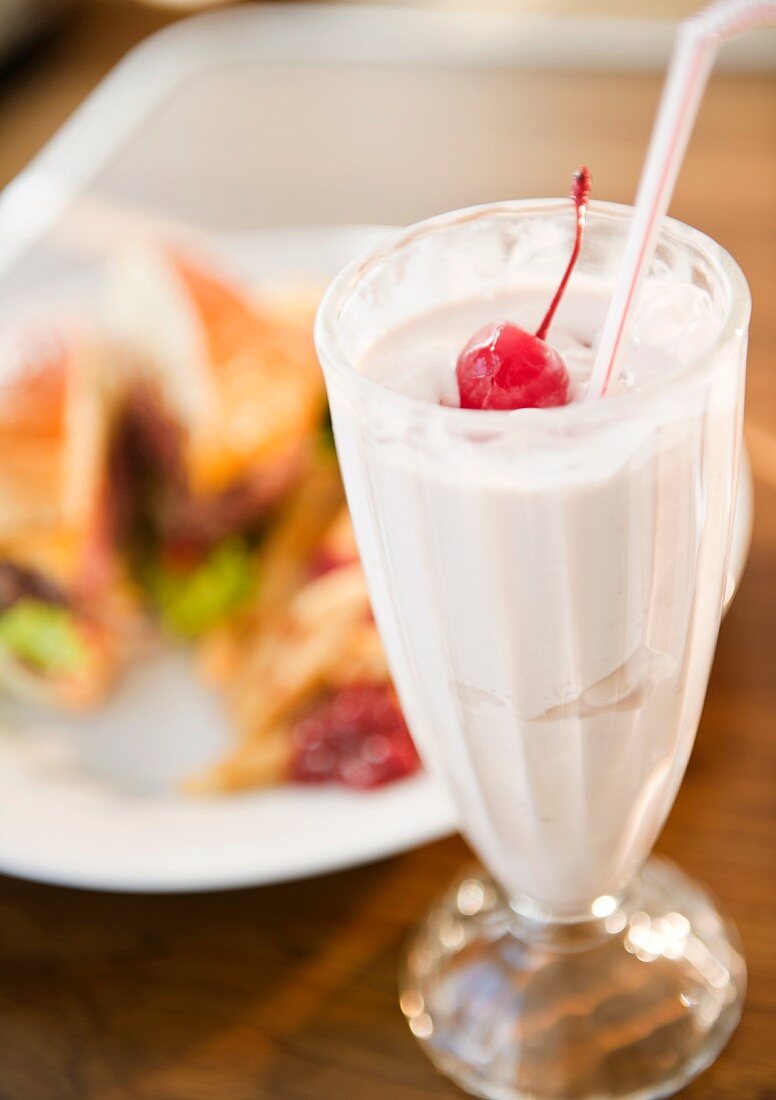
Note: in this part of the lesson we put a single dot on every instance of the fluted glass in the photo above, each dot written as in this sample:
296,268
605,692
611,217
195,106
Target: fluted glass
548,583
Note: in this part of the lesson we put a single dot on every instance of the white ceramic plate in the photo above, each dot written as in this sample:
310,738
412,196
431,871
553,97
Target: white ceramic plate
92,802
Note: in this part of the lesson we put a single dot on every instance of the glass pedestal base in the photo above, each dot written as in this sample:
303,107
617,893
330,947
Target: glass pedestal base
633,1004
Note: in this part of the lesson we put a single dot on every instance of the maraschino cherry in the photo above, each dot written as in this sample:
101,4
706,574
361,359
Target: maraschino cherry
505,367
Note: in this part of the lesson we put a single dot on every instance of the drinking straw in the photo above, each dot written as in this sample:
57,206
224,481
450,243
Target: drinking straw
697,41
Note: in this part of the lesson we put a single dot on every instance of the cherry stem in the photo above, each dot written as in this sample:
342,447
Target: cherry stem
580,193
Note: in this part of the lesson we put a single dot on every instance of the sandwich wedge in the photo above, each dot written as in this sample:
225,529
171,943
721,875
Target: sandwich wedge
62,608
221,405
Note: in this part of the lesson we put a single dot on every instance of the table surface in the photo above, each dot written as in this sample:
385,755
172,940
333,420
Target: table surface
289,992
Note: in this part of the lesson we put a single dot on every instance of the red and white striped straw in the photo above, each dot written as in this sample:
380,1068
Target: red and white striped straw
697,42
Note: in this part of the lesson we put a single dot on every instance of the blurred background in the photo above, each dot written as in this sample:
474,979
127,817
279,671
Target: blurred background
53,52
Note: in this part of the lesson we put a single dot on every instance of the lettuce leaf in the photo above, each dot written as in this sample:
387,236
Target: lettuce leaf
42,635
191,601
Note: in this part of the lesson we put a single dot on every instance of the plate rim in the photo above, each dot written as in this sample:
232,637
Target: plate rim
442,824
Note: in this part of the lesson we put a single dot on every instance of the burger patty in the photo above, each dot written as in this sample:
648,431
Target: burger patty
145,452
151,497
238,508
18,582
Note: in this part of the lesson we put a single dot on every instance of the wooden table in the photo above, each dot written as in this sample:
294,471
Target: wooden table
289,993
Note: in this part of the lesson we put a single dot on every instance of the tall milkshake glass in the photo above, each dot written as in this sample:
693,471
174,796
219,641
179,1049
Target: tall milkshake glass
548,584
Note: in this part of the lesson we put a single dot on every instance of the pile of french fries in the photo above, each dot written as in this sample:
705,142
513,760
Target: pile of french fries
304,634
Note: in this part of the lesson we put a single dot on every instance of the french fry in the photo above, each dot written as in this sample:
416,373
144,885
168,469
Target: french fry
284,556
295,657
259,763
363,659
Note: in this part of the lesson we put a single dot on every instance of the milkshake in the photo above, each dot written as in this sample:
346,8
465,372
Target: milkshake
548,582
546,599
